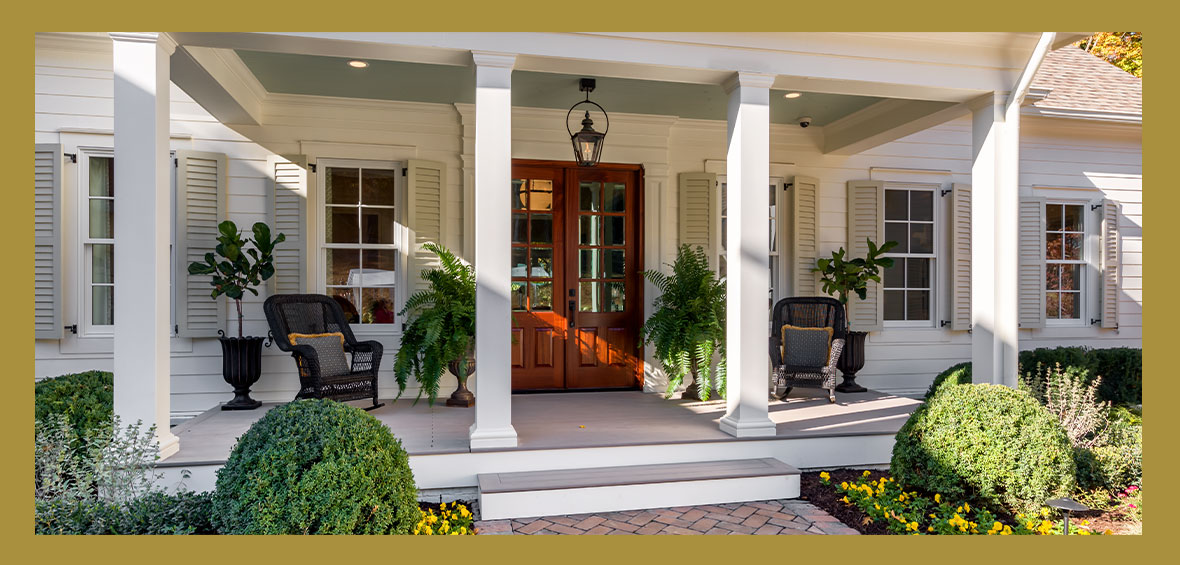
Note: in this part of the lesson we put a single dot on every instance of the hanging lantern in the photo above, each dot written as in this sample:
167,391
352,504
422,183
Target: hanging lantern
587,142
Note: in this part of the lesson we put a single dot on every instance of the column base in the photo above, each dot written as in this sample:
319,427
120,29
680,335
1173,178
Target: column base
744,428
492,438
169,444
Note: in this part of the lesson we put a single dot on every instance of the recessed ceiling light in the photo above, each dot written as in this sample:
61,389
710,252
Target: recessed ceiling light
792,95
356,64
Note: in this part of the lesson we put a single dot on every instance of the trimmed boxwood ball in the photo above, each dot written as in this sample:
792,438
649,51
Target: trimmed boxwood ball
988,444
956,375
316,467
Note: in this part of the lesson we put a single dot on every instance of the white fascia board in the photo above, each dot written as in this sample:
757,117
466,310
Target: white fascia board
886,121
1091,115
861,64
219,81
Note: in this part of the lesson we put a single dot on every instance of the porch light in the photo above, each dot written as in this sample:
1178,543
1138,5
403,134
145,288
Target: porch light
587,142
358,64
792,95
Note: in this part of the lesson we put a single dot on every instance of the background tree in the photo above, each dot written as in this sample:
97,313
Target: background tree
1123,49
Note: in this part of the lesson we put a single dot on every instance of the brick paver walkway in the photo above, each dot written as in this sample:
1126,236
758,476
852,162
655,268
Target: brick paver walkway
771,517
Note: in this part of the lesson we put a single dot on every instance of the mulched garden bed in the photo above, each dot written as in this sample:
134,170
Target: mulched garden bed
825,498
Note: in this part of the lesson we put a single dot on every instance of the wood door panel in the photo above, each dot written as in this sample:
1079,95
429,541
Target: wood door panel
517,347
587,347
543,339
618,353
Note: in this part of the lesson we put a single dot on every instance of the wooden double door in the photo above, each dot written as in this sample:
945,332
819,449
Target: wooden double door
577,289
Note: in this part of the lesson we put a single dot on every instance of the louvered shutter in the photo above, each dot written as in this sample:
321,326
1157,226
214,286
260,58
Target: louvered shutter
961,257
289,217
699,216
200,206
425,182
47,204
1110,263
1032,263
805,235
866,220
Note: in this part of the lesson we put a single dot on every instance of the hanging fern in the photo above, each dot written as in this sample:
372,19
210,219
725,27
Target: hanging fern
442,327
688,325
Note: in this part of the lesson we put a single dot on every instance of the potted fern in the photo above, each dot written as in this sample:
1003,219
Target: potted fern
236,270
842,277
442,330
688,324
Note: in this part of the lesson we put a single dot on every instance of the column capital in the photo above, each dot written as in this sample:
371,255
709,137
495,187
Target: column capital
748,79
163,40
492,59
990,99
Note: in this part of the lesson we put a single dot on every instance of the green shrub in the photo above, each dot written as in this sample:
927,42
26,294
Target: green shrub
85,399
155,513
1121,369
1116,461
956,375
316,467
988,444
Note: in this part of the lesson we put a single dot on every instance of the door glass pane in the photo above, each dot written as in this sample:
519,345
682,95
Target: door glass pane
917,305
378,267
541,296
342,266
542,264
519,228
102,305
894,304
922,206
588,263
895,231
540,195
377,305
896,204
921,238
341,186
518,288
590,196
613,263
342,225
616,296
102,263
614,230
616,197
588,228
347,298
589,299
541,230
100,176
377,187
379,225
520,259
102,218
519,196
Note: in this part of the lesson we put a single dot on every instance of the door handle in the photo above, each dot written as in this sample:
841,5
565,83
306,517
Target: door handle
573,308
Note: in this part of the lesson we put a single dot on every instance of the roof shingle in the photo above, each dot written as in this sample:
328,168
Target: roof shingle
1077,80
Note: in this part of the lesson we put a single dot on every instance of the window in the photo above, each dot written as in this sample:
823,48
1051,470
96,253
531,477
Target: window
1065,260
98,244
361,239
909,284
772,218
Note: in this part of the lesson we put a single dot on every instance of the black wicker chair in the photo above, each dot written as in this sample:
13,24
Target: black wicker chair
313,314
807,312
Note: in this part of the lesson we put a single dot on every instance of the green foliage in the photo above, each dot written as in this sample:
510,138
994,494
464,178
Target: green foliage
843,276
316,467
442,324
986,444
1121,369
85,399
1123,49
956,375
155,513
237,269
1116,460
687,324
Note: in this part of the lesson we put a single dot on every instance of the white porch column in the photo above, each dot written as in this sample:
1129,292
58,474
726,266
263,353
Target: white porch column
142,363
995,203
493,177
748,255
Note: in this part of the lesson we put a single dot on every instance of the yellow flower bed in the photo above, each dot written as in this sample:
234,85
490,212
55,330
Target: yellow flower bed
452,520
883,500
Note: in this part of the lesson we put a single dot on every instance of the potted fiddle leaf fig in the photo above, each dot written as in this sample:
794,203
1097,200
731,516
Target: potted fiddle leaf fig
237,269
441,331
841,277
688,324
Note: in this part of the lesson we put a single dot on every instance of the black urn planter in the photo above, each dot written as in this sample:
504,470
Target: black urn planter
852,359
241,365
462,397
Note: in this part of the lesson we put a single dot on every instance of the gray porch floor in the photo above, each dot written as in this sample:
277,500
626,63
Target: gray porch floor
565,420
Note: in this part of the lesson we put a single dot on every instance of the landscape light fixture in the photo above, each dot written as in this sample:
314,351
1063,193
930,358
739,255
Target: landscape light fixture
587,142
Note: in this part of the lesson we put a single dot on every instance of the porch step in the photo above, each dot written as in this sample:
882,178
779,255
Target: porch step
608,489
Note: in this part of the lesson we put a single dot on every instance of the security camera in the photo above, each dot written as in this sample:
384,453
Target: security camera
804,121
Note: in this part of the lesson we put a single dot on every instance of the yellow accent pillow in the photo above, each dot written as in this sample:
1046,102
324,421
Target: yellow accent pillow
808,358
329,349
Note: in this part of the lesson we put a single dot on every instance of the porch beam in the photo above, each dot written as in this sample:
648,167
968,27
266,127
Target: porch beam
748,255
493,175
886,121
221,83
142,363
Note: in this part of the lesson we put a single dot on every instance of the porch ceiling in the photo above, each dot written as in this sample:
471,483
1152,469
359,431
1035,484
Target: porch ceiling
287,73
